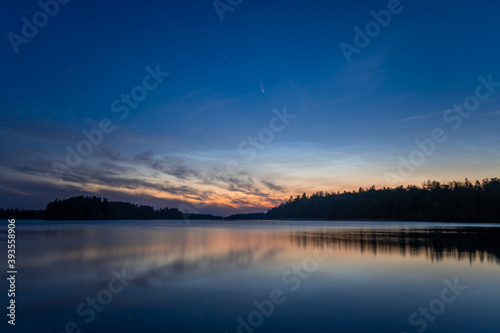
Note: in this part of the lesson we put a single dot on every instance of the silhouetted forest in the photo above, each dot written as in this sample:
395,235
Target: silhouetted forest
21,214
96,208
433,201
452,202
249,216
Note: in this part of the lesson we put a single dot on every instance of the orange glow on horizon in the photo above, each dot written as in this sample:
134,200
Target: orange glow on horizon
259,198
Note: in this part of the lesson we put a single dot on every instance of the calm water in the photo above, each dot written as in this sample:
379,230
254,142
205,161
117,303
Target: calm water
256,277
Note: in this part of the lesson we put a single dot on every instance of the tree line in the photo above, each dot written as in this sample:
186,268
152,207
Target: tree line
247,216
433,201
21,214
96,208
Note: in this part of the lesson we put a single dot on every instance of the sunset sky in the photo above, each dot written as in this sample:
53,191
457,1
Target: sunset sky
256,107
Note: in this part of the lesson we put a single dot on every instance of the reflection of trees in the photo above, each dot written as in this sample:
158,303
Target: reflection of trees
436,244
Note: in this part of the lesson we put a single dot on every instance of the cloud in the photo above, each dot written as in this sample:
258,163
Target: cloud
365,71
423,116
115,168
171,177
167,165
273,186
33,128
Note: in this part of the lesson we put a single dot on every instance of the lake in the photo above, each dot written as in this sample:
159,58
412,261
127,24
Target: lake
256,276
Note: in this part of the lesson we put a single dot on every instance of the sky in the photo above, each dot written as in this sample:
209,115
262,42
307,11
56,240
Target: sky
235,105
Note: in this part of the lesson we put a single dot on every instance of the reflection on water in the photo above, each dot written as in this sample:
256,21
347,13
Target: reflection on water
435,244
201,277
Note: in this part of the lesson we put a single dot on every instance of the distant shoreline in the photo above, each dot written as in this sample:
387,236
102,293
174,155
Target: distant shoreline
455,202
269,220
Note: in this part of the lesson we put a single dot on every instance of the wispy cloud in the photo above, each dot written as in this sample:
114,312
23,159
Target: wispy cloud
366,71
423,116
273,186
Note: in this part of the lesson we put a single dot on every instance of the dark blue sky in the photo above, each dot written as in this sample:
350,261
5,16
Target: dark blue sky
350,124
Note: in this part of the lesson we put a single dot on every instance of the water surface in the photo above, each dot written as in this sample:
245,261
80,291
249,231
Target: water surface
256,276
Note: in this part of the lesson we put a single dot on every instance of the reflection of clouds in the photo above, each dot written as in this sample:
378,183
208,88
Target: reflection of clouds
435,244
270,254
169,253
156,254
185,269
174,270
74,256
